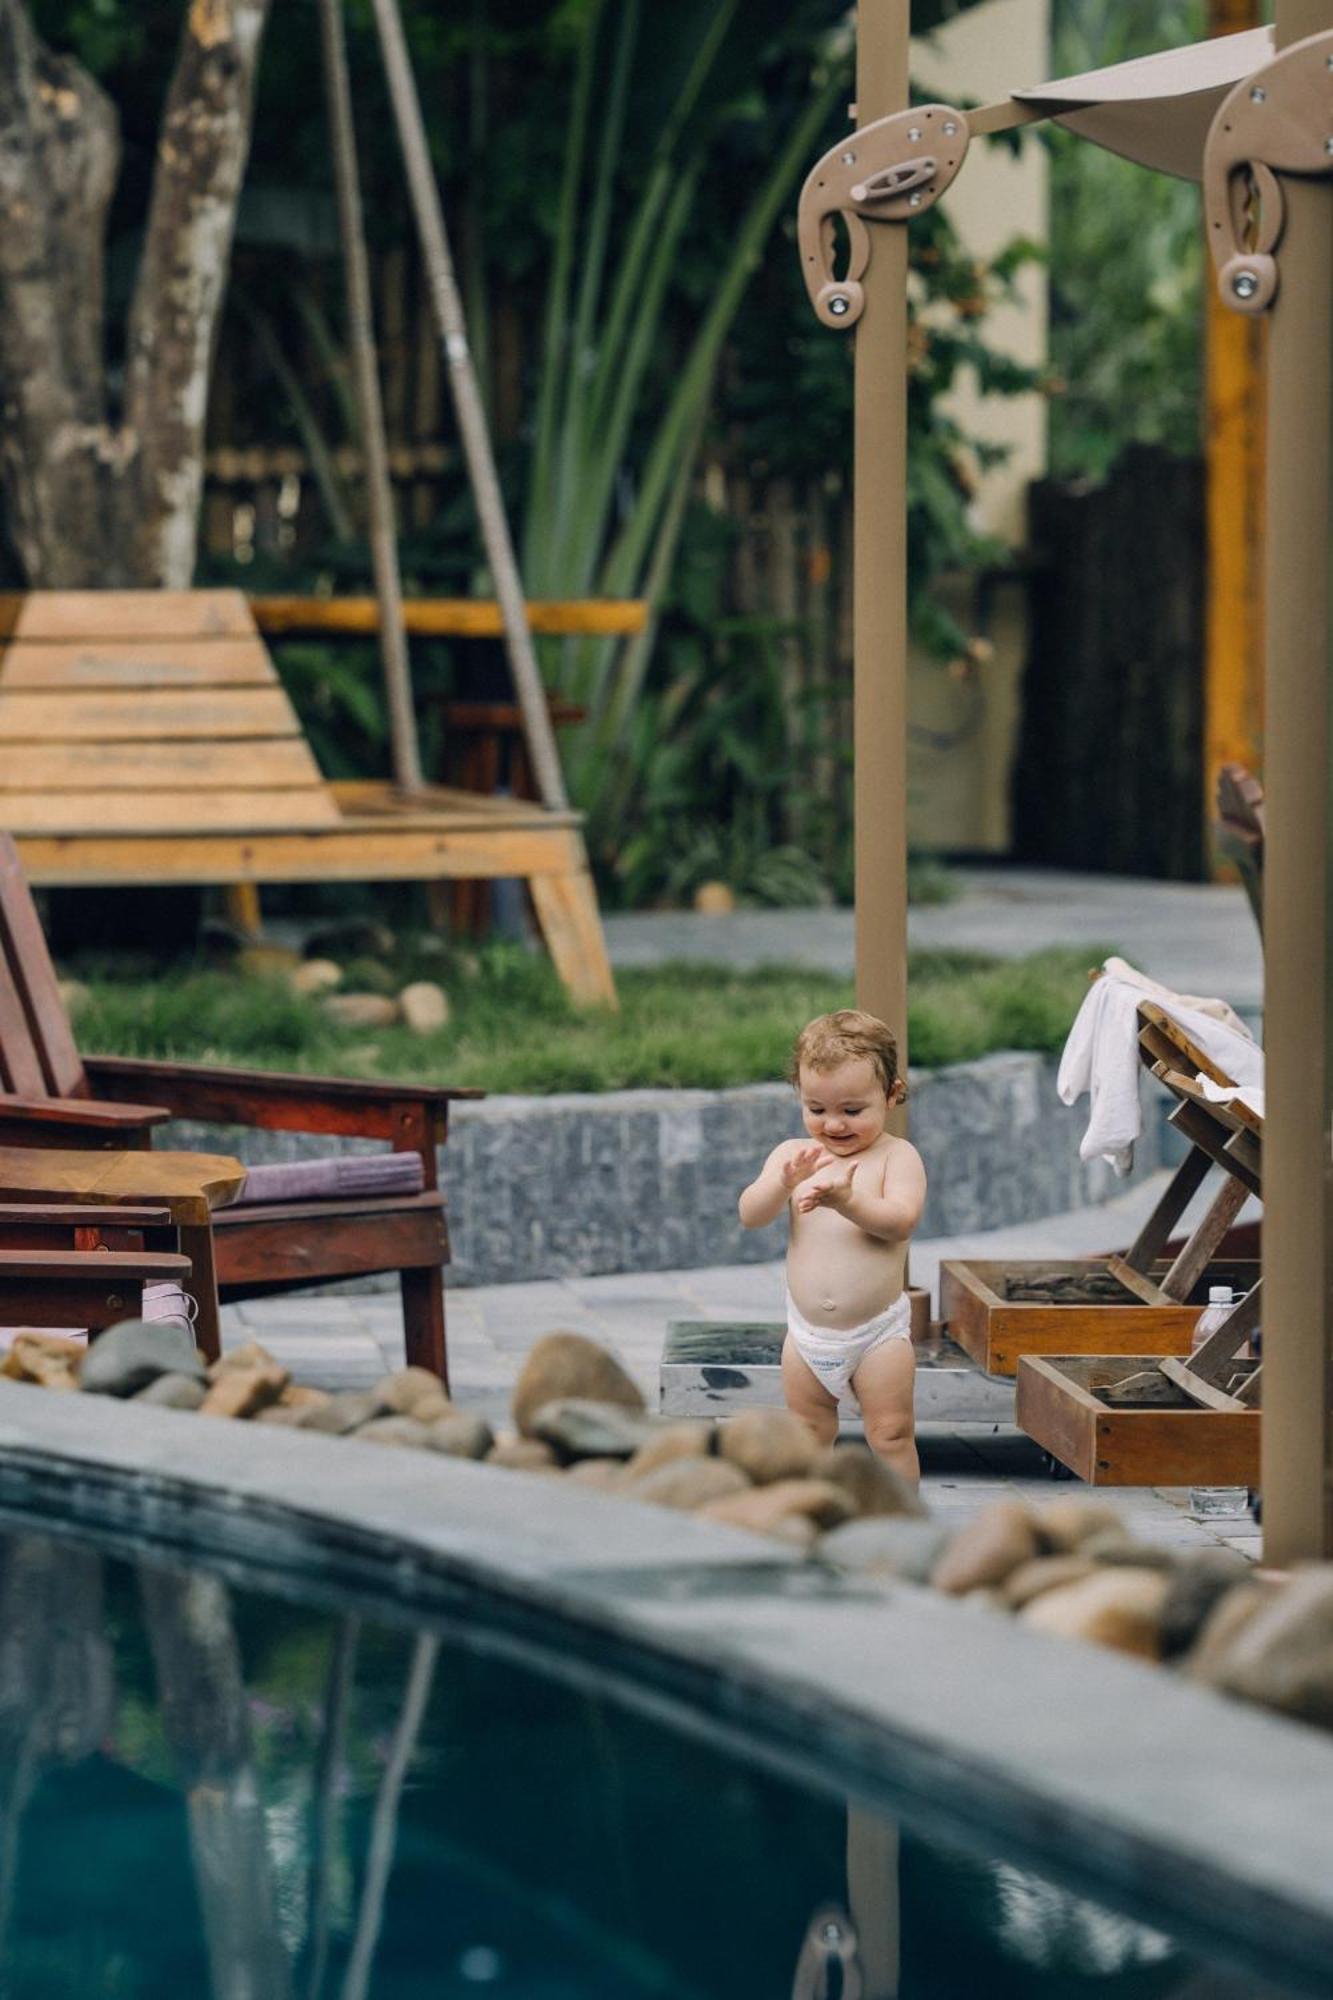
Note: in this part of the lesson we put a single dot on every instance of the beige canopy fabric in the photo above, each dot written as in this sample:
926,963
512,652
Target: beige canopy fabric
1157,109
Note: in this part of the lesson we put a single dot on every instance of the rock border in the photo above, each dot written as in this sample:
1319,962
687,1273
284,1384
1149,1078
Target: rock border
1207,1815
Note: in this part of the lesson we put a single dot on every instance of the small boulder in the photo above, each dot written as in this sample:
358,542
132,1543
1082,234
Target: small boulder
303,1396
403,1432
522,1455
568,1364
241,1392
1231,1613
603,1472
768,1445
173,1392
316,975
361,1010
459,1434
48,1359
887,1545
575,1427
252,1355
692,1437
984,1552
1282,1656
1120,1608
1031,1579
687,1483
764,1507
1114,1549
1194,1588
1065,1524
873,1487
126,1358
343,1413
424,1007
414,1392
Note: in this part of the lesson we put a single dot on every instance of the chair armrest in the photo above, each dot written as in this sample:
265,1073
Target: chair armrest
279,1101
59,1116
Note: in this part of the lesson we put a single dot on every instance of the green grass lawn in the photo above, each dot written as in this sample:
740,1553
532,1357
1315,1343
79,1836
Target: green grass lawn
512,1028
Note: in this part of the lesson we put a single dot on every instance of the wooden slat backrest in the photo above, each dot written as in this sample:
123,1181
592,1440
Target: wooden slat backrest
1168,1036
38,1056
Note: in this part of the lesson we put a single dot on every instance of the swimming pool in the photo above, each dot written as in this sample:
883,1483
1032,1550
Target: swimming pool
219,1779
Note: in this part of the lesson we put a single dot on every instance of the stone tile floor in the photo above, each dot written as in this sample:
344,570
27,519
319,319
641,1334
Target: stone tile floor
349,1340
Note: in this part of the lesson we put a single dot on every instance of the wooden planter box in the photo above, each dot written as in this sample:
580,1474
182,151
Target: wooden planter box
997,1331
1166,1443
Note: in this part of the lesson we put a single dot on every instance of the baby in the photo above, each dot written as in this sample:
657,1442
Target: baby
856,1195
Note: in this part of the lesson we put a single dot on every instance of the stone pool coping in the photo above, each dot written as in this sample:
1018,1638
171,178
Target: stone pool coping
1204,1812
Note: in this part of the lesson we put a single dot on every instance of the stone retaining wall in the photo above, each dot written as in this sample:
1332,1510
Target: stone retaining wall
642,1180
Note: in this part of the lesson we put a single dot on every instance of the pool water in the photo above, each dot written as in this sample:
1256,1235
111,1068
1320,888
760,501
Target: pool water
205,1789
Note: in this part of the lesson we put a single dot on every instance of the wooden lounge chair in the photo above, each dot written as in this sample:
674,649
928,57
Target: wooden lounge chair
85,1267
52,1096
1173,1419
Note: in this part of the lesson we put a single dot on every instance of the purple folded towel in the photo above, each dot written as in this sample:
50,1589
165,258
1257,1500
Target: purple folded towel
328,1180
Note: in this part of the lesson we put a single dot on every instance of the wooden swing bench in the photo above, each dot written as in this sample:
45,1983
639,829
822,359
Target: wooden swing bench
145,737
1177,1419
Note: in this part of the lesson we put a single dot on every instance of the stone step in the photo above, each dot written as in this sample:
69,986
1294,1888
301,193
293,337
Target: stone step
713,1368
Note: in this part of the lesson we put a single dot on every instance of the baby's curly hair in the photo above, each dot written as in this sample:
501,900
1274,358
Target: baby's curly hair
846,1036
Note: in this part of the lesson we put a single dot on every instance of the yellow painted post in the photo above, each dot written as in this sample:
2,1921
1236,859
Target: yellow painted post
1234,498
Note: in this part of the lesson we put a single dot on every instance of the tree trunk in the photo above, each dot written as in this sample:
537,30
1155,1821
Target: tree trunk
92,500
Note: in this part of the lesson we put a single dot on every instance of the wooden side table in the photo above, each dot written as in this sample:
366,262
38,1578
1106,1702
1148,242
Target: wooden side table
188,1185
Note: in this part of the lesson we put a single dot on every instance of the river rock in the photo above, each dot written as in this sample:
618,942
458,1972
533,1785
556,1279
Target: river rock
763,1507
887,1545
239,1359
424,1007
51,1360
1121,1608
1232,1611
873,1487
343,1413
126,1358
279,1413
414,1392
459,1434
1194,1588
768,1445
1114,1549
522,1455
360,1010
692,1437
240,1392
566,1364
316,975
1031,1579
1064,1524
797,1531
575,1427
403,1432
984,1552
173,1392
601,1472
687,1483
1282,1655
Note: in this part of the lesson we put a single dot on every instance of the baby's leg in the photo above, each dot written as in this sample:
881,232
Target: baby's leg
806,1395
883,1385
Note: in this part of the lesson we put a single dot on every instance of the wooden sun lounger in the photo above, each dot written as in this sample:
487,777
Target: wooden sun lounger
145,737
1173,1419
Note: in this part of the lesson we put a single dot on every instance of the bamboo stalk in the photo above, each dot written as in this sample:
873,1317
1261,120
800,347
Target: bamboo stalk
542,754
379,491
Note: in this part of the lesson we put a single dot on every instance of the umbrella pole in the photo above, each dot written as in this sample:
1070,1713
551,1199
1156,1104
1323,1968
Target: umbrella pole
879,606
370,410
1298,867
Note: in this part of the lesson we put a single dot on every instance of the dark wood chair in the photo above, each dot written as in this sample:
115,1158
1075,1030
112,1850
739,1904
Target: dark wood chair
82,1266
53,1096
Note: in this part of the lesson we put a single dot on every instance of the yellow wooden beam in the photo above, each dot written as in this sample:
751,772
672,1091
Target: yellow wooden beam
447,618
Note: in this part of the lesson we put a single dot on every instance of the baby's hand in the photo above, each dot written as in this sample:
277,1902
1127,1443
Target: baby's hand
801,1165
827,1194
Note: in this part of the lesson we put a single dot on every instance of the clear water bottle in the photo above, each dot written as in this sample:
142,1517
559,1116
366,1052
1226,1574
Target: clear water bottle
1209,1503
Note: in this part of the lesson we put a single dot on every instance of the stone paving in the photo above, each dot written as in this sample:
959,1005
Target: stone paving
345,1341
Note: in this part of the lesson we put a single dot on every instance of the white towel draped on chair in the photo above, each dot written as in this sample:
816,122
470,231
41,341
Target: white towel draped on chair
1101,1056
